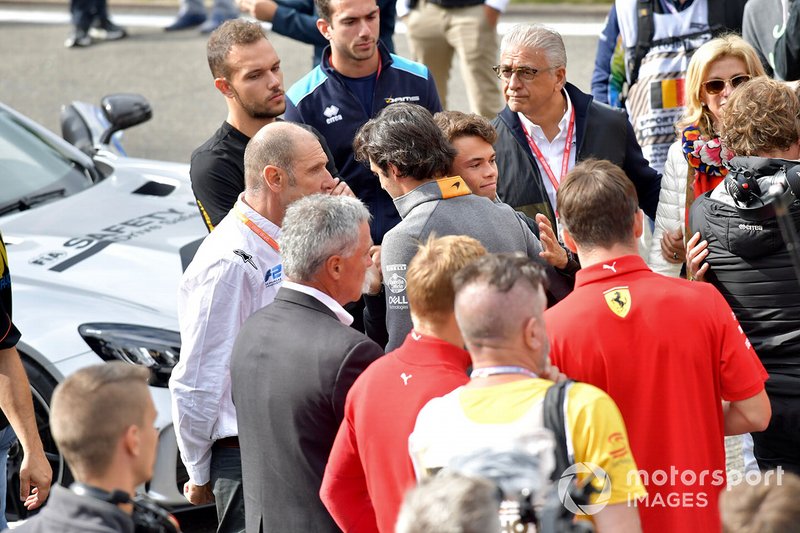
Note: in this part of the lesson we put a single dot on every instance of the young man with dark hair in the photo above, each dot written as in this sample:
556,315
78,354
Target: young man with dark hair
355,80
669,352
247,72
411,158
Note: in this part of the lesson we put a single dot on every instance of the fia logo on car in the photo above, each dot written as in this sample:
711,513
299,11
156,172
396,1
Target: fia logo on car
332,112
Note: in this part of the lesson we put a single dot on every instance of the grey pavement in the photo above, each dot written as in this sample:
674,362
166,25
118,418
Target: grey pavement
38,75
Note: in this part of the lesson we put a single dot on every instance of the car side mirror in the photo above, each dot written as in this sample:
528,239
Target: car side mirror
124,111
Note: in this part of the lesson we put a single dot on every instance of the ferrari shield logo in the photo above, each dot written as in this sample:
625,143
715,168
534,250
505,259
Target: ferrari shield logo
618,300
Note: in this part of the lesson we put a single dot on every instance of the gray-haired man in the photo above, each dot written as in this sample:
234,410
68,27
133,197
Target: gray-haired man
295,360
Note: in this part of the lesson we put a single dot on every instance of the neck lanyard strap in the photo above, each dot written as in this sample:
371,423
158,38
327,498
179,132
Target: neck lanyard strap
258,231
564,159
485,372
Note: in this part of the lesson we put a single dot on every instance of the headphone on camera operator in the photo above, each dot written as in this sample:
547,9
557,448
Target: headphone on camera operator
757,184
148,517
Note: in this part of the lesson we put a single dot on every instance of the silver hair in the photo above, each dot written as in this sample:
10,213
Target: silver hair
317,227
536,37
450,503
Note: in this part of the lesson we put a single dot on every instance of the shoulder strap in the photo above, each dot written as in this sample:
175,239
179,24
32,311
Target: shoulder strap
553,410
644,34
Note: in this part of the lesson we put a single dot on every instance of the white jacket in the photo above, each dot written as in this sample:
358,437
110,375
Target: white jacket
671,212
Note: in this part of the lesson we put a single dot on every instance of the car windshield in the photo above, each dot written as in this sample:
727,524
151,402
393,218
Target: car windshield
29,166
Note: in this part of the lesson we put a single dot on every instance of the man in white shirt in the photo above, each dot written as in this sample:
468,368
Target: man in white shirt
236,271
548,125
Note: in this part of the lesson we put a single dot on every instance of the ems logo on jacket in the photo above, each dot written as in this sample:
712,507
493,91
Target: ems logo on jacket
618,300
396,283
332,114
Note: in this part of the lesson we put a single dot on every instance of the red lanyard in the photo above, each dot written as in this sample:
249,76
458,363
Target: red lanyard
565,157
258,231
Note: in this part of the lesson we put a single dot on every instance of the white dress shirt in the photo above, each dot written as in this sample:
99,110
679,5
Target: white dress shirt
233,275
553,151
343,316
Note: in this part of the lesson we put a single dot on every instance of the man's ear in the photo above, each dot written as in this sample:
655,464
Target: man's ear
224,87
531,339
334,267
561,75
638,224
131,440
569,242
324,28
274,178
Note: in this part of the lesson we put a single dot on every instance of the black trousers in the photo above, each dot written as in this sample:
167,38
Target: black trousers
85,11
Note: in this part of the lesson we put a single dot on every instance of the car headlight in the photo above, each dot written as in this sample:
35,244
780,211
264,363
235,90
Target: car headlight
154,348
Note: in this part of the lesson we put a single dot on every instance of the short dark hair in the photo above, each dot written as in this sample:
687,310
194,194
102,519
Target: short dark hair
456,124
406,136
597,204
324,9
231,33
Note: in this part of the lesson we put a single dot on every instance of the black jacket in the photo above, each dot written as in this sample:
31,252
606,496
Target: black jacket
291,368
601,132
751,267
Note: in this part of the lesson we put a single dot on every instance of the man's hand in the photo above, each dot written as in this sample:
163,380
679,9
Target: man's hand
198,494
552,251
35,476
672,247
374,278
341,188
696,253
492,15
553,373
259,9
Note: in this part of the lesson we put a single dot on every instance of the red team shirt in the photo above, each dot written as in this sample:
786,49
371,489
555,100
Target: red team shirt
667,351
369,469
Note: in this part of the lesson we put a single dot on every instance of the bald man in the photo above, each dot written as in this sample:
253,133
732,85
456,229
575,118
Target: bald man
236,272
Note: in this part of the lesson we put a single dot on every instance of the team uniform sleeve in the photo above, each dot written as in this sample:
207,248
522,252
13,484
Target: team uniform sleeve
9,334
215,193
396,252
344,485
210,312
599,437
787,47
742,375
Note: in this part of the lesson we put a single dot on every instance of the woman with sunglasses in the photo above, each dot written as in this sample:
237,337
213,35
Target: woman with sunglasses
716,69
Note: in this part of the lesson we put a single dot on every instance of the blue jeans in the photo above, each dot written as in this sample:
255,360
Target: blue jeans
7,438
226,484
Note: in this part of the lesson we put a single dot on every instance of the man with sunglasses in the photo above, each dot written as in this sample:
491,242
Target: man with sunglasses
548,125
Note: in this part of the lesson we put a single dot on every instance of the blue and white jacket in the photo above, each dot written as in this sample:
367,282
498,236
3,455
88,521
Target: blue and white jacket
322,99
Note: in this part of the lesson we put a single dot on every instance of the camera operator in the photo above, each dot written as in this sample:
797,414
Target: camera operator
745,255
103,420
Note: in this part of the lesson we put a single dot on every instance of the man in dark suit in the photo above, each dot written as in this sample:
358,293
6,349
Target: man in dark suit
294,361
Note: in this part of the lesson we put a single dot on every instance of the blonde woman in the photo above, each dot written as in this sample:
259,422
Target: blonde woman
716,69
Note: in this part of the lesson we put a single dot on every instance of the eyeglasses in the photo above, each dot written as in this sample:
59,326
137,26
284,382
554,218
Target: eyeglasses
717,86
505,72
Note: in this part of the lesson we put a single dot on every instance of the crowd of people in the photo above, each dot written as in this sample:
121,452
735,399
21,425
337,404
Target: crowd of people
401,302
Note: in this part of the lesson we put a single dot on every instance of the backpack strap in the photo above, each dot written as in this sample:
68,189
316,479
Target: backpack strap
644,35
553,411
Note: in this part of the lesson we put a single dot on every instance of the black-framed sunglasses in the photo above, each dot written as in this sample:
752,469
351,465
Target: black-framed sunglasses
717,86
504,72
